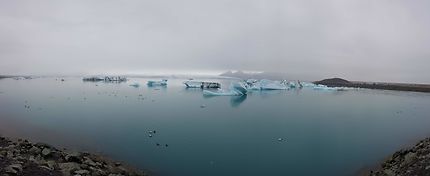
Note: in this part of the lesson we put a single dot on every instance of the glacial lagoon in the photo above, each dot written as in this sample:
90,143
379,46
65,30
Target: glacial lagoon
278,132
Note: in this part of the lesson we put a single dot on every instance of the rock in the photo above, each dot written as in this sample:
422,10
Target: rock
9,155
42,145
51,164
34,150
73,157
46,152
410,157
14,168
46,168
82,172
68,168
89,162
115,175
389,172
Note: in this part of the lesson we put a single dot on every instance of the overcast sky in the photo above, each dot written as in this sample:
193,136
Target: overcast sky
376,40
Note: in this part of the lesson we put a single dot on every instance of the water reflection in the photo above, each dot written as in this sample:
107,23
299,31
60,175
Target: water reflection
235,101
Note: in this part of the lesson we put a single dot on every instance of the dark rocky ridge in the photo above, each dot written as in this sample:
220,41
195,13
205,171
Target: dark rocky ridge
338,82
23,158
408,162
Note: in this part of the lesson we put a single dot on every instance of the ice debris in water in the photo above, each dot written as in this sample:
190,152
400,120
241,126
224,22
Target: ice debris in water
236,89
136,85
158,83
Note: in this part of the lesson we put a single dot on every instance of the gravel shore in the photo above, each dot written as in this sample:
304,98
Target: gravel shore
23,158
414,161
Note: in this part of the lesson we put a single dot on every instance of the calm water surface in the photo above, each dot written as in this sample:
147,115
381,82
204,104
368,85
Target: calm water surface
324,132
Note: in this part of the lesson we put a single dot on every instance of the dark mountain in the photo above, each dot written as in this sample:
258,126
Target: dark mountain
334,82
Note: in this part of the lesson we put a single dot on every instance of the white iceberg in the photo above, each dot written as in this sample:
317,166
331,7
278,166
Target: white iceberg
157,83
308,84
324,87
236,89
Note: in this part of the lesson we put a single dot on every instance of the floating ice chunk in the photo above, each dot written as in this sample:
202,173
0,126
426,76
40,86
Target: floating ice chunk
308,84
236,89
193,84
105,79
158,83
323,87
221,93
201,84
136,85
266,84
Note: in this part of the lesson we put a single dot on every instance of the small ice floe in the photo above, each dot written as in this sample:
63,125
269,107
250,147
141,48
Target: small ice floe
236,89
135,85
152,131
280,139
157,83
150,135
202,106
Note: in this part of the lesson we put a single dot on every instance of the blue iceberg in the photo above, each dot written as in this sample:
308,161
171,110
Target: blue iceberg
236,89
158,83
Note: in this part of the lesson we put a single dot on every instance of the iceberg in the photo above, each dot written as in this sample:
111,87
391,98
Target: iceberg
323,87
158,83
266,84
308,84
236,89
105,79
136,85
201,84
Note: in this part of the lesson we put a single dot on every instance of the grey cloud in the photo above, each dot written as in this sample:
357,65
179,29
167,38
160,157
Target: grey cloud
384,40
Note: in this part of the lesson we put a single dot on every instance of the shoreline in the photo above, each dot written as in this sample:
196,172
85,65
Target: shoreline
22,157
413,160
338,82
